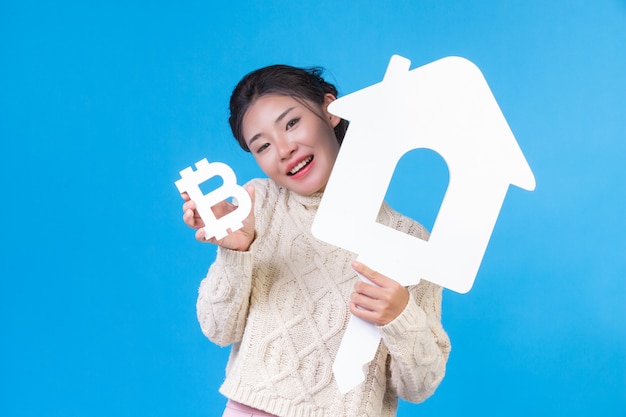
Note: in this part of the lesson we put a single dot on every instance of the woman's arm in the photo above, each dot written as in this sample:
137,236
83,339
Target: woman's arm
223,297
410,324
418,345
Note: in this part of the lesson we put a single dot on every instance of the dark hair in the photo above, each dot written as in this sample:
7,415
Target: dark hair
299,83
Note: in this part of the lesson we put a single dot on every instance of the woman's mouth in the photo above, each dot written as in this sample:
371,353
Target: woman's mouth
300,165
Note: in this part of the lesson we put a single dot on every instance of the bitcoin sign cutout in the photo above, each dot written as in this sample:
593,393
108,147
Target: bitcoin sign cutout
190,183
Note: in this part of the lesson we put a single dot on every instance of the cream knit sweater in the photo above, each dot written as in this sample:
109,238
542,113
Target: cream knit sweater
283,306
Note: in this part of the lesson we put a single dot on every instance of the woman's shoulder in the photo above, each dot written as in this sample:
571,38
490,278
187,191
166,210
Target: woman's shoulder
268,196
269,205
265,189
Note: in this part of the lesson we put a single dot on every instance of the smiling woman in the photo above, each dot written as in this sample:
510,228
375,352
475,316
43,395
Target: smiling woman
282,298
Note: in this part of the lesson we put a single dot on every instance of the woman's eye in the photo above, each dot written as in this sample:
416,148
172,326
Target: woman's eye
292,123
262,147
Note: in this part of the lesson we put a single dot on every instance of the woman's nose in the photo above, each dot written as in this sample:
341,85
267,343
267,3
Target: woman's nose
286,147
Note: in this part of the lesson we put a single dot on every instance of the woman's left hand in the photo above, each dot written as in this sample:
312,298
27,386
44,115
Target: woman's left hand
380,303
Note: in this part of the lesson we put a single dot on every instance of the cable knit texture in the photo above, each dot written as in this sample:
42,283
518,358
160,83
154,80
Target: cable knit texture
283,305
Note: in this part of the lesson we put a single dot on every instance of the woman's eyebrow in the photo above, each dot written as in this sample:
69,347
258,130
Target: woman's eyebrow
283,114
278,120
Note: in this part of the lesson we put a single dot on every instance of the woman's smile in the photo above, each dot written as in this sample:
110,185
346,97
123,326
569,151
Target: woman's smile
299,168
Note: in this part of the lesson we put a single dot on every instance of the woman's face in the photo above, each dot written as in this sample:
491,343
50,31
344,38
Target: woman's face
294,145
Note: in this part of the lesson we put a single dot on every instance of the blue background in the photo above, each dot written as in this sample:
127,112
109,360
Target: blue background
103,102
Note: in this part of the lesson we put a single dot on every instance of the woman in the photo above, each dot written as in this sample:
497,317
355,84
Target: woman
283,298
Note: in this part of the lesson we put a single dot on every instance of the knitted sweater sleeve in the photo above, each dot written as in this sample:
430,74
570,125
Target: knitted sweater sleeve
418,345
223,297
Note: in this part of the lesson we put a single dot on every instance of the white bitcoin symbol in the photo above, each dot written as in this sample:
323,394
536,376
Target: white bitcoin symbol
190,183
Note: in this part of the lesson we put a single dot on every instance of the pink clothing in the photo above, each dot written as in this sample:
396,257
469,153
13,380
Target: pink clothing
235,409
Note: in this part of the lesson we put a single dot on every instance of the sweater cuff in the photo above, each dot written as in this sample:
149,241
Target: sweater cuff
412,318
234,257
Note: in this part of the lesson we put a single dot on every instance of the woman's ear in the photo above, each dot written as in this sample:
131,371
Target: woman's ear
334,120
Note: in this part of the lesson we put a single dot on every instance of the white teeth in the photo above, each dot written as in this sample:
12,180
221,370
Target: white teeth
300,166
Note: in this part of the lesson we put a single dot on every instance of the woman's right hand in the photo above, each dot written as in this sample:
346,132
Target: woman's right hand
239,240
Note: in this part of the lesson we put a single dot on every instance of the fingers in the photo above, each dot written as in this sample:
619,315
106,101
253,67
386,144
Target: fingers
379,302
250,189
367,312
377,311
222,208
191,217
188,204
370,298
240,239
375,277
200,235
